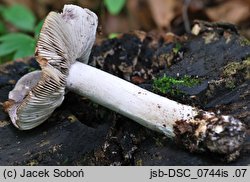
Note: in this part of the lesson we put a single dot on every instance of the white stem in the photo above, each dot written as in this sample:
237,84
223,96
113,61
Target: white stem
148,109
194,129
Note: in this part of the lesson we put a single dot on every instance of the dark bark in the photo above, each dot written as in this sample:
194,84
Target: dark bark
82,133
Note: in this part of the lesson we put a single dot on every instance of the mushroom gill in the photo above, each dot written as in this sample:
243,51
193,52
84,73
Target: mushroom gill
64,37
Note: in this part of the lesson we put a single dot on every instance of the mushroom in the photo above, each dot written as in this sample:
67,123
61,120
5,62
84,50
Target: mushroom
64,38
65,42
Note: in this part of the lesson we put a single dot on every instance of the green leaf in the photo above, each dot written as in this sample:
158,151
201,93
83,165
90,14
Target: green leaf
113,35
19,16
20,44
2,8
2,28
114,6
177,48
38,28
5,59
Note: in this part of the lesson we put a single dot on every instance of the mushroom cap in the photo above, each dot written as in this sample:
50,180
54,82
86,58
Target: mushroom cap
65,37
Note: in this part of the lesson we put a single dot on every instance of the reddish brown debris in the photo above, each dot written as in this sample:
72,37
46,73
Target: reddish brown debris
223,135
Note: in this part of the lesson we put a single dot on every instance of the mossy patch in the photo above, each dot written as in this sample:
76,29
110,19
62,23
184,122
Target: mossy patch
232,75
177,48
244,41
234,67
167,84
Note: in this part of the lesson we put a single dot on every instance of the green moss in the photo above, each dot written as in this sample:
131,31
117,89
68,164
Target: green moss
113,35
177,48
230,83
233,67
244,41
168,84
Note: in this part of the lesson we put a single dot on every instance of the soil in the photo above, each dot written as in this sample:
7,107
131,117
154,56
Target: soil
81,132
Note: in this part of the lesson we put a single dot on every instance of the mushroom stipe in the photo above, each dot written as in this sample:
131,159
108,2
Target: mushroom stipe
65,40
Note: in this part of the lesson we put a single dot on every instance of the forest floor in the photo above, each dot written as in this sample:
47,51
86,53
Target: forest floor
81,132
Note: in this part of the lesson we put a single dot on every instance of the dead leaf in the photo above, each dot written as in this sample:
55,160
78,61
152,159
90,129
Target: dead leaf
230,11
164,11
137,80
140,15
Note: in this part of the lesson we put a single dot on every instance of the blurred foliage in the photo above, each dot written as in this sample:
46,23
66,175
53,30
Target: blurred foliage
18,44
18,32
113,35
177,48
38,28
119,16
2,28
21,17
114,6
